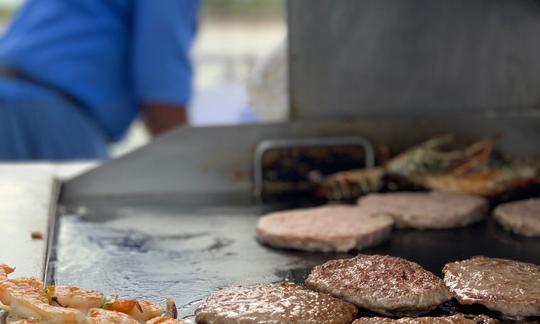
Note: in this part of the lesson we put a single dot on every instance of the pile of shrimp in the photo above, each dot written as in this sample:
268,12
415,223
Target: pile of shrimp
26,301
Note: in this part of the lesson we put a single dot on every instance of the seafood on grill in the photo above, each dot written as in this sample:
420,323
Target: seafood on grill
25,300
430,165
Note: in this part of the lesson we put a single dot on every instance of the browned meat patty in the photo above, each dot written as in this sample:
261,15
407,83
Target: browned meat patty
383,284
521,217
327,228
274,303
507,286
454,319
427,210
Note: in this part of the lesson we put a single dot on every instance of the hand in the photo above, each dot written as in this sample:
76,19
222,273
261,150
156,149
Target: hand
160,117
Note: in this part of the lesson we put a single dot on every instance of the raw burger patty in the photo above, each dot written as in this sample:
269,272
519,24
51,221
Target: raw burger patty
274,303
327,228
428,210
510,287
521,217
454,319
383,284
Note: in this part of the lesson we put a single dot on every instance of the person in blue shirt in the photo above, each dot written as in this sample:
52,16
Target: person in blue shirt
75,74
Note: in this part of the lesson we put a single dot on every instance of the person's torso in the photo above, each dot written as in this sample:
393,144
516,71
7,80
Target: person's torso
82,47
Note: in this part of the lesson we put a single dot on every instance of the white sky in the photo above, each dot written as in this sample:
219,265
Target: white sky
9,3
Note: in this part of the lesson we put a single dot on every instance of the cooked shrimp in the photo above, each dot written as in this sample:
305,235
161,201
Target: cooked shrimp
73,297
28,303
5,270
165,320
26,298
140,310
22,287
102,316
25,321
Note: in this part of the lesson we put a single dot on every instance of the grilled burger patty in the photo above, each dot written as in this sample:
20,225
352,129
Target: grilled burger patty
507,286
427,210
521,217
327,228
455,319
274,303
383,284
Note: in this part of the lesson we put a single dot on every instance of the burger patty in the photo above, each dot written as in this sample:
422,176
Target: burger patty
427,210
383,284
327,228
454,319
507,286
521,217
274,303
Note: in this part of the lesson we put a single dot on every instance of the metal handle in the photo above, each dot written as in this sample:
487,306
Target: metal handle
270,144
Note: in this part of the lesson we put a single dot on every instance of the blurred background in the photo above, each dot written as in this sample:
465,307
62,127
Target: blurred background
234,37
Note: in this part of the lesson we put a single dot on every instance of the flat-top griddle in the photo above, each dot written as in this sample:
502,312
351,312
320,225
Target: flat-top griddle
174,219
155,248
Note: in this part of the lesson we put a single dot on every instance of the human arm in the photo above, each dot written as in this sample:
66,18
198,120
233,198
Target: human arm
163,33
160,118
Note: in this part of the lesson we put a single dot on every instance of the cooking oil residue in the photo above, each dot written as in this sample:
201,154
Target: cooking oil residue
158,253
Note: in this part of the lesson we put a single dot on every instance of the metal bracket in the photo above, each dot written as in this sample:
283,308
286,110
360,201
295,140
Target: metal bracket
264,146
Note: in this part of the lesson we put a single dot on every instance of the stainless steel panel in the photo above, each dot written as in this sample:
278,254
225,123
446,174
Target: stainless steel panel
413,57
204,164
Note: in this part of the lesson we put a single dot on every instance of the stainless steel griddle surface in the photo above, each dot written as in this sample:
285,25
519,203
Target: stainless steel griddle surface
154,249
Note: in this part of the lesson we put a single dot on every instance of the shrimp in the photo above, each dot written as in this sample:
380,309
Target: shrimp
5,270
73,297
27,303
103,316
27,298
140,310
25,321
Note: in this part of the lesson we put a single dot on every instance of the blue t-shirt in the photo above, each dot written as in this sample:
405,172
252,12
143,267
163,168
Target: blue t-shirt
110,54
